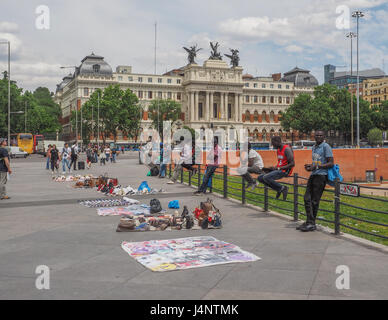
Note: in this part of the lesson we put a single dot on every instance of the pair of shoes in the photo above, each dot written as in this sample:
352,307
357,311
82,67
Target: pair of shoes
197,193
301,226
308,227
284,191
171,182
5,198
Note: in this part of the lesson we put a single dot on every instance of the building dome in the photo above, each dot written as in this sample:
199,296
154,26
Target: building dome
64,82
94,65
300,78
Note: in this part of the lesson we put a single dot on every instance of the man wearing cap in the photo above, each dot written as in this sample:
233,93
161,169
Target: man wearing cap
5,168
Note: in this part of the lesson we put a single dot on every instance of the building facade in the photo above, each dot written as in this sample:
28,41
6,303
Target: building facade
212,95
376,90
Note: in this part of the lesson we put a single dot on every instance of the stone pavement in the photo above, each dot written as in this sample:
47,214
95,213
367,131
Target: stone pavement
44,225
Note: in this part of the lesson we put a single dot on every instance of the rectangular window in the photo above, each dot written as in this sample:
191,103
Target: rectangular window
271,86
86,92
160,94
272,100
255,85
264,99
255,99
140,79
246,98
160,80
150,80
178,81
200,111
178,96
287,86
280,100
120,78
130,79
247,85
229,111
169,95
288,100
140,94
149,94
263,85
279,86
215,115
168,80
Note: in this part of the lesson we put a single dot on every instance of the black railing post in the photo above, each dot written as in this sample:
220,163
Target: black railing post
181,174
199,176
296,209
225,181
243,200
169,173
190,173
337,208
265,198
211,184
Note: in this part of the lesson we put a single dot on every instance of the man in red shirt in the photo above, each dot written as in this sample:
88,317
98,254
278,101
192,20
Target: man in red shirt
283,168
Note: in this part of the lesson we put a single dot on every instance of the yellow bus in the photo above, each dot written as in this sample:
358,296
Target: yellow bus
24,141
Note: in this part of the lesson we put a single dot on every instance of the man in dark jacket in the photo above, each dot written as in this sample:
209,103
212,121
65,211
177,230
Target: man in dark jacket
5,169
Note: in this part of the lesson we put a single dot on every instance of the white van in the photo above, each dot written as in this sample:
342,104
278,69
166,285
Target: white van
16,152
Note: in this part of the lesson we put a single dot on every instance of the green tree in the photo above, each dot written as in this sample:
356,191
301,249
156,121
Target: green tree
163,110
375,136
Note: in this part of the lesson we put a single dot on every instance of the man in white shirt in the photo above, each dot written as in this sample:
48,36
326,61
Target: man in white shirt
74,155
185,160
255,165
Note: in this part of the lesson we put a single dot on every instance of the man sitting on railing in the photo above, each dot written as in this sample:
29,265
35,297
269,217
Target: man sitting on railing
323,160
255,165
214,156
185,159
283,169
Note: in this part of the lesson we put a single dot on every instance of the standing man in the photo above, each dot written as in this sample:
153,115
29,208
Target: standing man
216,154
322,156
283,169
255,165
74,156
5,168
54,157
48,156
66,153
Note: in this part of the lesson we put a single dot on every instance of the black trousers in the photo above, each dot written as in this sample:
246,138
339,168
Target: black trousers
315,187
74,160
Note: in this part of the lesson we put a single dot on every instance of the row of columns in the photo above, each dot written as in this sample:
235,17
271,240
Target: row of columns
222,107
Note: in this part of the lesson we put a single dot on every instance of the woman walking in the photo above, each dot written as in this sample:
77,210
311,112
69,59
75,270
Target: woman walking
54,158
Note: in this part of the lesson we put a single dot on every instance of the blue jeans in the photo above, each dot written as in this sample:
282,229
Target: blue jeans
163,168
65,163
209,173
269,179
48,163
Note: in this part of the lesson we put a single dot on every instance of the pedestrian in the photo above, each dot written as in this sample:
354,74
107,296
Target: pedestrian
184,161
54,158
74,155
48,157
107,153
163,163
95,154
113,155
102,158
381,179
255,165
5,170
89,157
322,160
122,149
65,156
283,168
215,155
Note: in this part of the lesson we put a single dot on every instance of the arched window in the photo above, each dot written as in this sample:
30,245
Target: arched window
256,116
271,116
264,116
264,133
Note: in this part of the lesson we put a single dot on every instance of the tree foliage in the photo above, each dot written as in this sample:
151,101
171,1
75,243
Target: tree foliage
163,110
375,136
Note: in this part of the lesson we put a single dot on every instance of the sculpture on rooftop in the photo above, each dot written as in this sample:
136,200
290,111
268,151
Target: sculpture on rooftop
192,53
215,55
234,58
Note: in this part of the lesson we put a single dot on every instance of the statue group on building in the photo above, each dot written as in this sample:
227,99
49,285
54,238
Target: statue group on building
214,54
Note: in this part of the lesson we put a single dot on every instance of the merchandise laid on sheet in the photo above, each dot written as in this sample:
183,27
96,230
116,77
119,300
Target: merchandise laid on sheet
186,253
99,203
71,178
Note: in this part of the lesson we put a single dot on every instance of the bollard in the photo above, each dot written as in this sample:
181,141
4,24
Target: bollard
337,200
243,200
265,198
199,176
225,181
181,174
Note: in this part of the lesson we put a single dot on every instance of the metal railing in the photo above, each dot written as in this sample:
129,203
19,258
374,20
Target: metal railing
234,186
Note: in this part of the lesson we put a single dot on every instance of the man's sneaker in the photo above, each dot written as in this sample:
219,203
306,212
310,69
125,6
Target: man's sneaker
5,198
285,193
308,227
301,225
171,182
253,186
64,172
197,193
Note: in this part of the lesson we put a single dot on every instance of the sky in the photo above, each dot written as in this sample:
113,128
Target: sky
271,36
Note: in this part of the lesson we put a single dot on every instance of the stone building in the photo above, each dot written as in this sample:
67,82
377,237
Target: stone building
212,95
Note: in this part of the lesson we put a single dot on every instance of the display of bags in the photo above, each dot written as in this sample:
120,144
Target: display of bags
155,206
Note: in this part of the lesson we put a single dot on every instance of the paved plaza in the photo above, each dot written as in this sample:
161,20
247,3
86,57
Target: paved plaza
43,224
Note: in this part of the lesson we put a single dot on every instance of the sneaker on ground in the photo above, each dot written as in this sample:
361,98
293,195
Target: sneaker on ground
171,182
308,228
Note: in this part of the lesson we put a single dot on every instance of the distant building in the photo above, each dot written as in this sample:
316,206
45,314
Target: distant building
344,78
376,90
212,95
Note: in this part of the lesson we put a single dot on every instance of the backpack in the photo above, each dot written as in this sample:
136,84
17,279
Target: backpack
155,206
154,171
72,151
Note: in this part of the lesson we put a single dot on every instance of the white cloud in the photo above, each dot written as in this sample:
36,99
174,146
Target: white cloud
294,48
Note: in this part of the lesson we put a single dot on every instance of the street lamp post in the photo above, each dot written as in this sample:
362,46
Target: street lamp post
351,35
9,89
358,15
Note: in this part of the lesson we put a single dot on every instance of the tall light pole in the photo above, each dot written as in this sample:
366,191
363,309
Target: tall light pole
76,102
98,121
351,35
9,89
358,15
